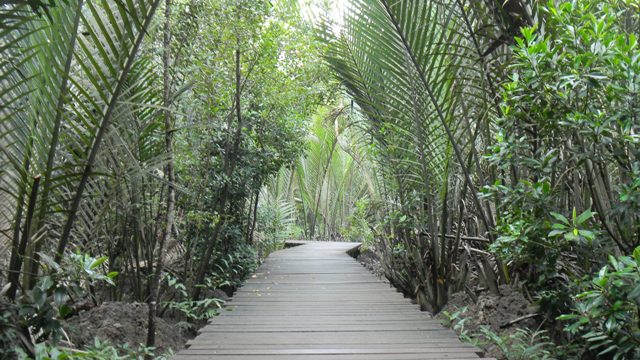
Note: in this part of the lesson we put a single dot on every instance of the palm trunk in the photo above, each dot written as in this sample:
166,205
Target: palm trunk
19,251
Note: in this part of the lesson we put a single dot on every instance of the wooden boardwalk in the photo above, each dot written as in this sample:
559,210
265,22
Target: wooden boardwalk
315,302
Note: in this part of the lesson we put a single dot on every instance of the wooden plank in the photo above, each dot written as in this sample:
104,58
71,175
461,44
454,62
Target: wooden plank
449,356
314,302
329,351
373,348
319,327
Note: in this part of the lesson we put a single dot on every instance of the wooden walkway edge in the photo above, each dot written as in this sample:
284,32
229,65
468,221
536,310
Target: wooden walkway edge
315,302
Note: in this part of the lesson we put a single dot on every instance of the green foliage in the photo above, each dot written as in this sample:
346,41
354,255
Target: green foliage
568,111
191,309
232,269
258,80
11,336
359,226
100,350
565,139
606,314
562,162
317,195
79,272
276,219
53,296
66,78
457,322
38,311
197,309
42,312
229,272
523,344
82,151
537,242
83,159
574,230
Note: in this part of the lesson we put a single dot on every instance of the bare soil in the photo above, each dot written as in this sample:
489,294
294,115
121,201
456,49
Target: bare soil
494,312
501,314
371,261
120,323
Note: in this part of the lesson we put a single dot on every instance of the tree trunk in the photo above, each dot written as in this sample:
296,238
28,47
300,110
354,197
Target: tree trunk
255,217
170,176
229,162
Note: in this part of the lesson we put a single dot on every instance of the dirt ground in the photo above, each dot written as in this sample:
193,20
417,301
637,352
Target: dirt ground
120,323
492,311
371,261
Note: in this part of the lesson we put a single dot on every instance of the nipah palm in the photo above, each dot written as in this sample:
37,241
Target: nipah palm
65,81
413,70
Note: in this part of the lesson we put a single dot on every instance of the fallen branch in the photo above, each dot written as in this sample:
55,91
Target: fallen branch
467,238
517,320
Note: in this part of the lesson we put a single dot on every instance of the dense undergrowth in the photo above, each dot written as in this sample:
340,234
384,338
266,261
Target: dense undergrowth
154,151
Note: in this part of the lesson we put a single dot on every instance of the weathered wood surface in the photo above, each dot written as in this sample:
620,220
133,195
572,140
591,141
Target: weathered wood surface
315,302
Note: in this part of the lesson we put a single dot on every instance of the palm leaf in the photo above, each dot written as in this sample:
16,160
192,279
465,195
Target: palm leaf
63,76
410,66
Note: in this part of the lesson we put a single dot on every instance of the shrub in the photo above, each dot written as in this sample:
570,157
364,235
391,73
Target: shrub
358,229
567,147
39,310
606,315
100,350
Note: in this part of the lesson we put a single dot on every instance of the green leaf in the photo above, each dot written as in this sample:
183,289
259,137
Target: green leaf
587,234
46,282
584,217
555,233
60,296
64,311
98,262
560,218
570,236
566,317
559,226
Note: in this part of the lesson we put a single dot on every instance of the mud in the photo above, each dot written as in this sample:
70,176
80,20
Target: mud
494,312
120,323
371,261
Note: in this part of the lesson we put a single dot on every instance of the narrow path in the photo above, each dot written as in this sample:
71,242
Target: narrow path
316,302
